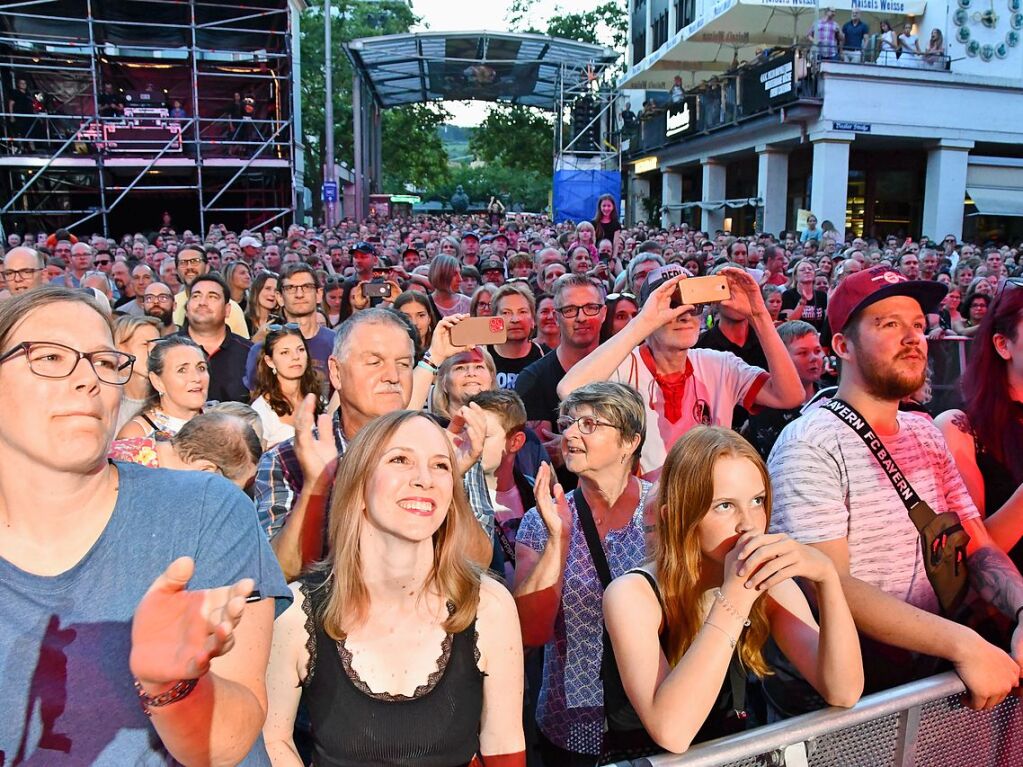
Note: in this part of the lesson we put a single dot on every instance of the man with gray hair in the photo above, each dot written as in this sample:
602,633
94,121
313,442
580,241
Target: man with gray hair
371,367
80,263
24,269
580,312
638,269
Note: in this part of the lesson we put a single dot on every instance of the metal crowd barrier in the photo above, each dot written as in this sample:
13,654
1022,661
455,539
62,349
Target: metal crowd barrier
922,724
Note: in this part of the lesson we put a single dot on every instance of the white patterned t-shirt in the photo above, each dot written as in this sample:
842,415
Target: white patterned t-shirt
827,485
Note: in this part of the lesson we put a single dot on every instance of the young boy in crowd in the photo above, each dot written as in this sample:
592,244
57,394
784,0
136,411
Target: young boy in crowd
510,490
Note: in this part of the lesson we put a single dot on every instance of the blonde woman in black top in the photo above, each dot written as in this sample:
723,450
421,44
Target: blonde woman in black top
403,651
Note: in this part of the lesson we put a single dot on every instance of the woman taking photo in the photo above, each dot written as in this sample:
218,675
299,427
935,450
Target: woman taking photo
283,378
401,649
263,309
134,335
417,307
717,587
179,381
446,278
557,586
801,301
985,436
239,279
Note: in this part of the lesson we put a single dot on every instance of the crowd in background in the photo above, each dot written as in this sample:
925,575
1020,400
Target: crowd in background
599,509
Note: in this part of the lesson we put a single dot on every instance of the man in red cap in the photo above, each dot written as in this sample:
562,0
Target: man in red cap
848,476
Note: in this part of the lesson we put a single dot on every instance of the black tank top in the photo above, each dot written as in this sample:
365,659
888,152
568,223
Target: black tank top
438,726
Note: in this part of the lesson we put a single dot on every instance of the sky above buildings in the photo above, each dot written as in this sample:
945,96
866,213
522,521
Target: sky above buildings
475,16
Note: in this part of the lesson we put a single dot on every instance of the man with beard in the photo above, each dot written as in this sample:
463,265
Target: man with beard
580,311
832,492
207,312
159,302
190,263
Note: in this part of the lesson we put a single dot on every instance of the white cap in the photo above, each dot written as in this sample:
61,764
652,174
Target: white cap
249,242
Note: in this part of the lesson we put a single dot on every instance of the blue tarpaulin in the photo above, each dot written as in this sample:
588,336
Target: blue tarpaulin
576,192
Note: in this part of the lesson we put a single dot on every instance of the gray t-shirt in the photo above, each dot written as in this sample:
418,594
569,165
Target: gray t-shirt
65,639
827,485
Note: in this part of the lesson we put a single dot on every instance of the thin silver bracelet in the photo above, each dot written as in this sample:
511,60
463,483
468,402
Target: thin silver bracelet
719,595
727,635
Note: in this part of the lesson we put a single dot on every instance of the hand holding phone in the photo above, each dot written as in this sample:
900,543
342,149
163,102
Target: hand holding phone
479,331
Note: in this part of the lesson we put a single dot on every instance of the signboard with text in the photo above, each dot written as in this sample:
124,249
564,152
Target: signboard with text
679,119
769,83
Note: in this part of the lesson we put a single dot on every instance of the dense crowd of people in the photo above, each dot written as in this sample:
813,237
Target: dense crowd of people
597,523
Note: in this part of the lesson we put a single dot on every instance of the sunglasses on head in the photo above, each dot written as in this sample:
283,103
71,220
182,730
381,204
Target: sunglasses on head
277,328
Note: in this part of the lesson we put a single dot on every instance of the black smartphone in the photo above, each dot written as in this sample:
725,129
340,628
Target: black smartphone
376,289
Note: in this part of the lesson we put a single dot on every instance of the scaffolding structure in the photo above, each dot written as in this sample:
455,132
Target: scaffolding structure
114,111
586,137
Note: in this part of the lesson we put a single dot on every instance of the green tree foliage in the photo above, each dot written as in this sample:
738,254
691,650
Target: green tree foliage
515,137
605,24
412,149
404,160
517,189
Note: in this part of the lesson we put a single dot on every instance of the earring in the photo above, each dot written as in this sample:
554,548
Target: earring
273,370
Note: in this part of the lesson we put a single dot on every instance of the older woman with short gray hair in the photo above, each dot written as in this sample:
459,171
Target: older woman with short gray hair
558,588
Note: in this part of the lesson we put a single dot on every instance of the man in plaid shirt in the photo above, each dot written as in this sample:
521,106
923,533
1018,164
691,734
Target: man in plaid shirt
372,369
827,35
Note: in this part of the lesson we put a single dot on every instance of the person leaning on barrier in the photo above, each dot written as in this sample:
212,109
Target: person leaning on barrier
123,588
986,436
717,587
832,491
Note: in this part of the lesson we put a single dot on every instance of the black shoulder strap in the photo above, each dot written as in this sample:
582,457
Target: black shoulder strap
919,511
592,538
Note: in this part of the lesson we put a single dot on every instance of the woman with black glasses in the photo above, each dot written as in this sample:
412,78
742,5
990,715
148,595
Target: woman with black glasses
558,588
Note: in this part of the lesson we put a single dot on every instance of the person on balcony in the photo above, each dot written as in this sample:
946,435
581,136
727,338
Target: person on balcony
910,55
889,49
826,35
934,56
854,32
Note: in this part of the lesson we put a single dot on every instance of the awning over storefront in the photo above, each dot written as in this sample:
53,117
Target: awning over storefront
731,31
739,202
996,201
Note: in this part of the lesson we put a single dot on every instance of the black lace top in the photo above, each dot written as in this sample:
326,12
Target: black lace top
437,726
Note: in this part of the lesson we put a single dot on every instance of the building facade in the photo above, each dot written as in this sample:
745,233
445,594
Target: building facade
749,123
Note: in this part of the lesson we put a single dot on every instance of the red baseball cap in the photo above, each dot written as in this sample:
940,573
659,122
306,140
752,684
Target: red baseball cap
858,291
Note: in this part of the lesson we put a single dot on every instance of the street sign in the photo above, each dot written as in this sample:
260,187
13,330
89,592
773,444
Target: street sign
330,191
854,127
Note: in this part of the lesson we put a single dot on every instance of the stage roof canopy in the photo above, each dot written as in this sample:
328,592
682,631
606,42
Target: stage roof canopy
462,66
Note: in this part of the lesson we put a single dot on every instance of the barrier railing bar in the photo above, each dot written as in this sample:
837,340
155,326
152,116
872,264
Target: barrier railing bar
774,737
905,746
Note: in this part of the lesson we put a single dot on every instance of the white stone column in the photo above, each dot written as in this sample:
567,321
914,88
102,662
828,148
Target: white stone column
829,190
773,186
945,189
713,191
671,194
649,36
639,187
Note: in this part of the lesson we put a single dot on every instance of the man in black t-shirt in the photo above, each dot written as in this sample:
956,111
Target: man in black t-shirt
579,304
514,303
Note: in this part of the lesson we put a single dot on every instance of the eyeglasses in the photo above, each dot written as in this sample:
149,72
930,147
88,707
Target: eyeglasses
587,424
191,261
163,298
19,274
277,328
296,289
50,360
570,312
1010,282
623,294
103,262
